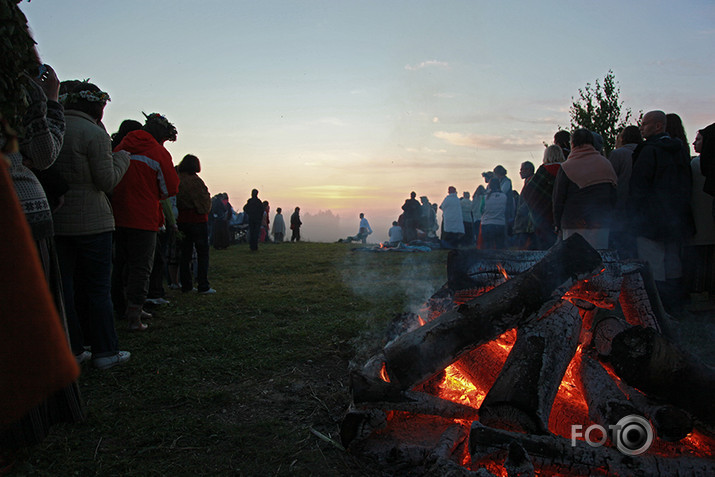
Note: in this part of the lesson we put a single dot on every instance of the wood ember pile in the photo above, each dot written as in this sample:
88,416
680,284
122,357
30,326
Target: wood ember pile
550,363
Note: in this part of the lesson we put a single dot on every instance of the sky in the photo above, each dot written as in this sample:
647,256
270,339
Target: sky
342,107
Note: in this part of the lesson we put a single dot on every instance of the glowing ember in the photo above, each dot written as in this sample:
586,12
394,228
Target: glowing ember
420,321
383,374
503,271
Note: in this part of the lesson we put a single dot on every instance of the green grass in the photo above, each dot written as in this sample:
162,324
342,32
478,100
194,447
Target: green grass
232,383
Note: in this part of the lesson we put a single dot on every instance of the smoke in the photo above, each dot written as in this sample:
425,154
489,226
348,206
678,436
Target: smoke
413,284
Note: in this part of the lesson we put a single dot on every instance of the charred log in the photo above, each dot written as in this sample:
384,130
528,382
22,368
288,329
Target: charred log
654,365
554,455
523,394
518,463
415,356
606,403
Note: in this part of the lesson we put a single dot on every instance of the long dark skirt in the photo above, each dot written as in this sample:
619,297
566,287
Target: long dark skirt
66,404
220,234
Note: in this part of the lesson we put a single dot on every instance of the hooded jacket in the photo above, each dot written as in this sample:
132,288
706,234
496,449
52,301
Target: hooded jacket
659,190
151,177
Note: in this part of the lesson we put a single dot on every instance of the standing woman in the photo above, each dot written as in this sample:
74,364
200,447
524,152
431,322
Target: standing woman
85,223
194,204
494,216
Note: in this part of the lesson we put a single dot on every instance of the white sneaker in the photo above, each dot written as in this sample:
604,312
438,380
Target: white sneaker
110,361
82,357
210,291
157,301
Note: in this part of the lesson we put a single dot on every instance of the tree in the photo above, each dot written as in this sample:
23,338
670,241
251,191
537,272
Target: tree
598,109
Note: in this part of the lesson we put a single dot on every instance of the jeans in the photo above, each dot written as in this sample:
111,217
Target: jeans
195,235
86,269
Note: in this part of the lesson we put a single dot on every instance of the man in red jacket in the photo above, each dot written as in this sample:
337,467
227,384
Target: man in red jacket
137,213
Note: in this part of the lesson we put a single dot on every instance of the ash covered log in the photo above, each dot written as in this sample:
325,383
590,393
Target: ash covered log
649,362
554,455
523,394
671,423
606,403
641,302
475,270
415,356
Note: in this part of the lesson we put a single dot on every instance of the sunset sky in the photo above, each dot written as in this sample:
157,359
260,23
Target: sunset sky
347,106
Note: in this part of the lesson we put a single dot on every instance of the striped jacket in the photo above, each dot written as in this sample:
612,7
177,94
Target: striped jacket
151,177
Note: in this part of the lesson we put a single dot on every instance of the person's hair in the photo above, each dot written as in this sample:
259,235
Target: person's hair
279,210
631,135
297,209
562,138
159,127
499,170
529,165
597,141
362,215
674,127
553,154
394,222
83,96
451,189
413,194
127,126
465,194
480,191
190,164
494,186
581,137
254,193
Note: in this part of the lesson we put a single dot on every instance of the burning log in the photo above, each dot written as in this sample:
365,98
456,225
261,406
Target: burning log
415,356
523,394
421,403
606,403
648,361
556,455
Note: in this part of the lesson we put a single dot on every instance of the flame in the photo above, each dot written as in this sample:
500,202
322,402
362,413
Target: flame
502,270
383,374
420,320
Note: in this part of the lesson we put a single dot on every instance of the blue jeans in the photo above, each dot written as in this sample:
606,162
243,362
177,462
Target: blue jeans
86,270
195,235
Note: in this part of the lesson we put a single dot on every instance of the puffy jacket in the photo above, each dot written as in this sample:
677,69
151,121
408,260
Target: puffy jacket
151,177
91,171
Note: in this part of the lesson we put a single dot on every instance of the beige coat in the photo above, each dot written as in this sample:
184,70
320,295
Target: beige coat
91,170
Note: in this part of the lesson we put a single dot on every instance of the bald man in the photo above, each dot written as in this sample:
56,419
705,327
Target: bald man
659,205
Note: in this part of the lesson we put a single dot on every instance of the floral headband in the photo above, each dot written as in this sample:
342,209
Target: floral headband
161,120
91,96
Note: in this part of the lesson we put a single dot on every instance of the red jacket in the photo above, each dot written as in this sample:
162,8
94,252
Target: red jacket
151,177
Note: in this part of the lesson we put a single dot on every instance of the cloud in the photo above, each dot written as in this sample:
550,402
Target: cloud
427,64
483,141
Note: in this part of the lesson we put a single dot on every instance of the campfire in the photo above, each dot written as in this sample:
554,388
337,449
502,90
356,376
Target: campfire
536,363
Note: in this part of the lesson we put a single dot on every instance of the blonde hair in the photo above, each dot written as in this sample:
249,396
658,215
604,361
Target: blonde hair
553,154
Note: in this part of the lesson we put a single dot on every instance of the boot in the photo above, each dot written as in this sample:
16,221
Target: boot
134,317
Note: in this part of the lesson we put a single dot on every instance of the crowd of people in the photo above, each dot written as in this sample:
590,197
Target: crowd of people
646,199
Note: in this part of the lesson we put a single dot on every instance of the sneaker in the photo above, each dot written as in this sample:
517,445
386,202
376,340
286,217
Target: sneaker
175,286
157,301
110,361
210,291
82,357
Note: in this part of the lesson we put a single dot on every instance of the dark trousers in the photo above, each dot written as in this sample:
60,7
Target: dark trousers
195,236
493,236
133,262
295,235
86,270
254,233
158,270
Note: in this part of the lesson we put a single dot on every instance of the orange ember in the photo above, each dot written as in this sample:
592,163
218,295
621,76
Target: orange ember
420,321
503,271
383,374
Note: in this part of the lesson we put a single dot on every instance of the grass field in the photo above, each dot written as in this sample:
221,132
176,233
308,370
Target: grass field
236,383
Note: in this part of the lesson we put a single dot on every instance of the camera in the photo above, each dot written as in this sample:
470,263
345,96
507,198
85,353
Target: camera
41,71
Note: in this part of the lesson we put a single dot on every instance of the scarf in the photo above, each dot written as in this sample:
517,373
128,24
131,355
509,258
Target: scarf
586,167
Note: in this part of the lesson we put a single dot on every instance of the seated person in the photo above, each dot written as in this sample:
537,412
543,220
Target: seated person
395,234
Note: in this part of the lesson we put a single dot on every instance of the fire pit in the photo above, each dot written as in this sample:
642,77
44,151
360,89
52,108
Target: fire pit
548,363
